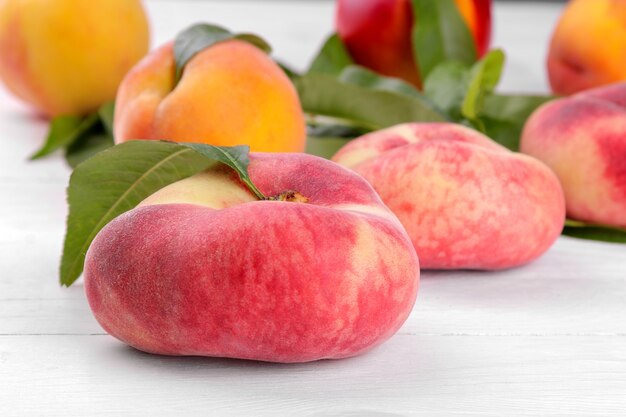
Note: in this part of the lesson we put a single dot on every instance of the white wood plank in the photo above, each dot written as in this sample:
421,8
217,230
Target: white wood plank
409,376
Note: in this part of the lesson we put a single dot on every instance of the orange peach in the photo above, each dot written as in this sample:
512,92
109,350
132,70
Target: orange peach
465,201
231,93
588,47
204,268
583,139
69,56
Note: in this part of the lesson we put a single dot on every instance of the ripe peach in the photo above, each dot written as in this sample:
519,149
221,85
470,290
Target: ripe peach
202,268
230,93
377,33
465,201
69,56
583,139
588,47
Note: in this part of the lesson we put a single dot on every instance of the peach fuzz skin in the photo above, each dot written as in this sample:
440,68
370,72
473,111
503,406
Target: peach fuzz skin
465,201
203,268
583,139
69,56
588,46
230,94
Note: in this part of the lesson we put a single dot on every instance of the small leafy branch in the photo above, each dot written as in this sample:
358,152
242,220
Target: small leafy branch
457,86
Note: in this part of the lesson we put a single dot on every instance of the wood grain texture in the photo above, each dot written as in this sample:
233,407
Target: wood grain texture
547,339
408,376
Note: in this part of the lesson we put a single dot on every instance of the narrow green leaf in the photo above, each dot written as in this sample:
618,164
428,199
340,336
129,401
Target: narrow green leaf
440,34
201,36
106,113
86,147
594,232
332,58
369,79
116,180
65,130
483,78
254,40
512,107
446,86
361,107
325,128
236,157
504,116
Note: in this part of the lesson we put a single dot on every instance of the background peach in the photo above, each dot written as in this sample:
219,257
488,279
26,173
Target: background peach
69,56
465,201
202,268
231,93
583,139
588,47
377,33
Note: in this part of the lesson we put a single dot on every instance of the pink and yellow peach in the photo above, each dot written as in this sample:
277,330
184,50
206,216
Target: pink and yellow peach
583,139
69,56
203,268
465,201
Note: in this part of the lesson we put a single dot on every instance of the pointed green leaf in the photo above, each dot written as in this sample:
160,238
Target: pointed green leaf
504,116
483,78
65,130
332,58
440,34
446,86
106,113
236,157
116,180
356,105
200,36
369,79
86,147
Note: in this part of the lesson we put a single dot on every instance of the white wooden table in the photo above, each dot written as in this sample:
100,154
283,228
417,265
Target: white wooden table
547,339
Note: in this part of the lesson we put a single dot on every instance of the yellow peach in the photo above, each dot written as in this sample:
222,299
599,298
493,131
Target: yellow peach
69,56
588,47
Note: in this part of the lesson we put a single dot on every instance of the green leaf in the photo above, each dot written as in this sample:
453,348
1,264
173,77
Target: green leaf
327,128
65,130
369,79
511,106
332,58
446,86
594,232
325,147
200,36
80,136
504,116
368,108
236,157
440,34
106,112
116,180
484,77
86,147
465,94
